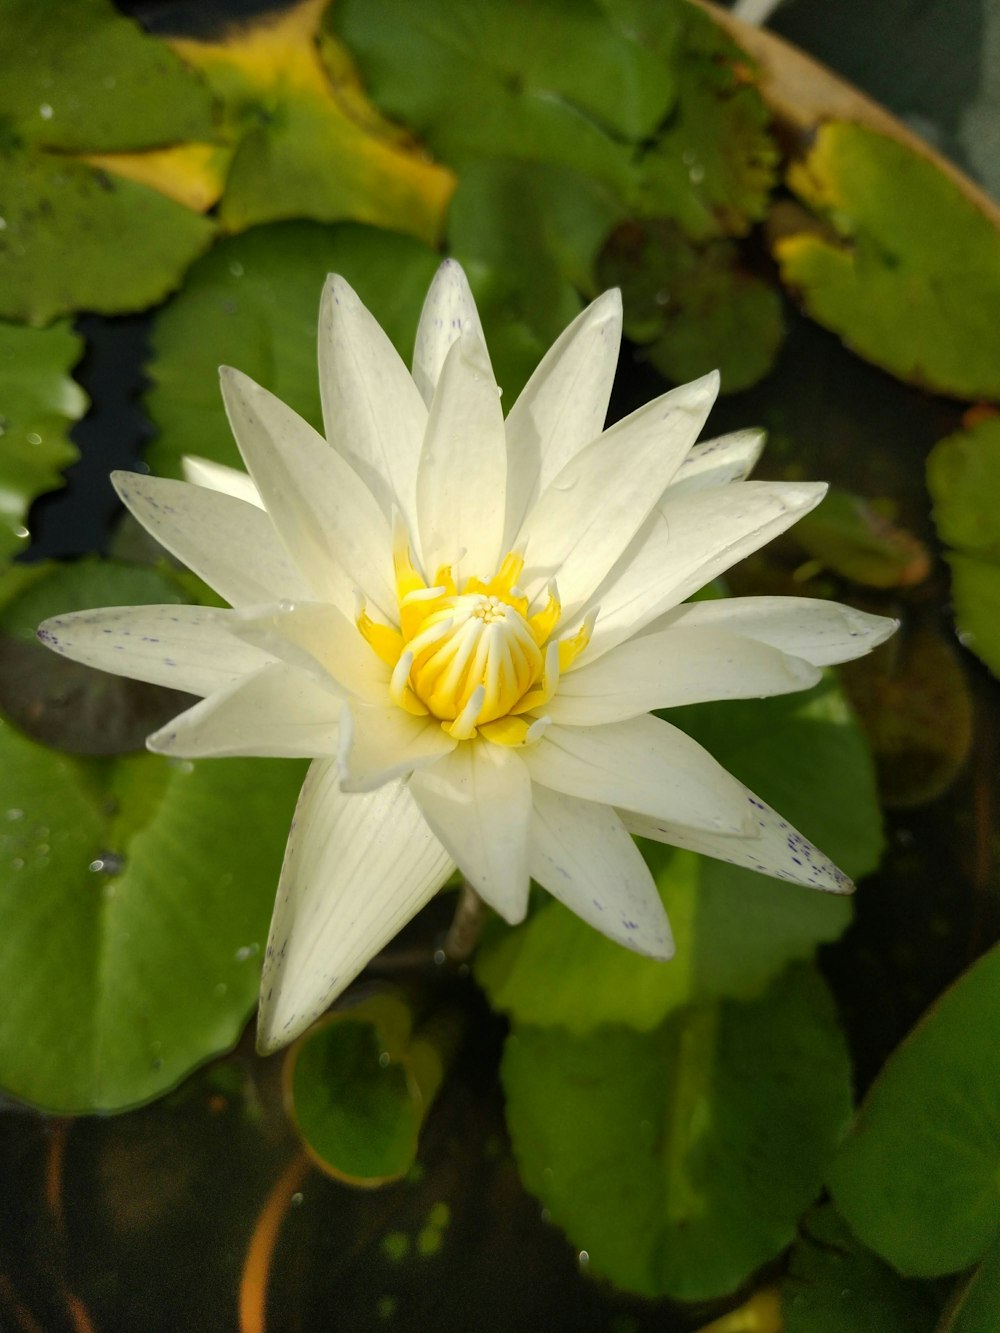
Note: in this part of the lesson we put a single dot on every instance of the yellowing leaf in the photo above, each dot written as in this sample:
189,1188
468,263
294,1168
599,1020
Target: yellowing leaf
192,174
304,145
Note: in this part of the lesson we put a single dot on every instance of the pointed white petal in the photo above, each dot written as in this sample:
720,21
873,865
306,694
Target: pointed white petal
462,478
217,477
276,711
379,745
719,462
690,540
673,667
357,868
644,764
563,405
372,410
318,640
776,848
186,647
449,311
325,514
583,855
593,509
823,633
478,802
232,545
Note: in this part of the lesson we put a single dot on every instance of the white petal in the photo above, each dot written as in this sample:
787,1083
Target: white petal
462,478
276,711
449,311
217,477
232,545
325,514
690,540
357,868
478,802
186,647
583,855
823,633
593,509
379,745
563,405
673,667
719,462
318,640
373,412
644,764
776,848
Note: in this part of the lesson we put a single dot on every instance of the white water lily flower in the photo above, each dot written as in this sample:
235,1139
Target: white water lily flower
465,622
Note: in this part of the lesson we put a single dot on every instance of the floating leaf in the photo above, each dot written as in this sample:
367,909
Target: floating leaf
507,62
62,703
855,539
914,700
253,303
835,1285
302,149
734,930
909,275
76,238
38,403
917,1178
963,476
192,174
977,1309
681,1159
694,306
361,1082
89,79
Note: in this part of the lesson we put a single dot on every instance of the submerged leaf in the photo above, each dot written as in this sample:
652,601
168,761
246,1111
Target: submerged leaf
38,404
917,1177
909,274
681,1159
857,540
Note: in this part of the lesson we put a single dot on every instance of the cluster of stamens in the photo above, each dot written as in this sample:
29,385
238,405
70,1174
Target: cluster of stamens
469,653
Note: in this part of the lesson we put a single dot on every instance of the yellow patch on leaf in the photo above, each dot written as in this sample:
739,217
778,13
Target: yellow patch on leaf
192,174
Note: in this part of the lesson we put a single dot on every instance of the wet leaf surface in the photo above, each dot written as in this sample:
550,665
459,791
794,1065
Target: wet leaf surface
885,279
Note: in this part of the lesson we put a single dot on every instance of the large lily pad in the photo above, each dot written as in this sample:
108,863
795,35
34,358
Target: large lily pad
38,403
680,1160
734,930
306,146
963,475
918,1178
253,303
908,273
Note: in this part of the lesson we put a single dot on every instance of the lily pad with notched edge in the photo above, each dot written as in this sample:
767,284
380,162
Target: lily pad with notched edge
963,476
977,1307
38,403
253,303
734,930
858,540
918,1177
681,1159
909,272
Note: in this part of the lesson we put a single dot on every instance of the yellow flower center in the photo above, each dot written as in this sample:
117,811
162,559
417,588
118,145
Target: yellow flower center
472,655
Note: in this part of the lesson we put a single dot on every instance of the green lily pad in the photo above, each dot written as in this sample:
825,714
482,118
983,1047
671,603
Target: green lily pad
909,272
693,306
858,540
38,404
61,247
90,80
680,1160
734,930
963,476
306,143
977,1309
253,303
715,164
835,1285
507,61
918,1178
134,901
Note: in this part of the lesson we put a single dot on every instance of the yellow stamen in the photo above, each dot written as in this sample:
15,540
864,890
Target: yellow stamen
573,645
386,641
544,622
